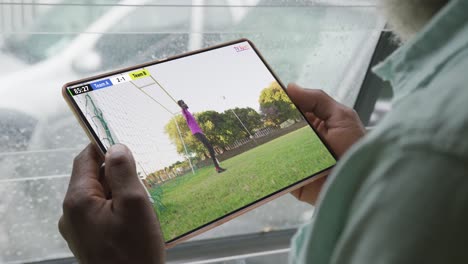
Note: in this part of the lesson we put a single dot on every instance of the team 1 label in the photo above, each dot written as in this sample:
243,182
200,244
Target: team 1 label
139,74
101,84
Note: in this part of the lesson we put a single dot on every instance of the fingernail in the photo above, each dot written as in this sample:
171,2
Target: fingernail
118,155
117,148
293,84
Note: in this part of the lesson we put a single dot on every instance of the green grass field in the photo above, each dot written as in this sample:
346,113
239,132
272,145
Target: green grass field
195,199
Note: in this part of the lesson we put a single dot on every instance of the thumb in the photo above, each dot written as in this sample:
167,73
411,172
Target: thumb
120,172
313,101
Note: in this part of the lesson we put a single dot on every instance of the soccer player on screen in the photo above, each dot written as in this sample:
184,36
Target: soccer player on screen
198,133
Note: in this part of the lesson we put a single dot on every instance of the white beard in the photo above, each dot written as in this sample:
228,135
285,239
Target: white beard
407,17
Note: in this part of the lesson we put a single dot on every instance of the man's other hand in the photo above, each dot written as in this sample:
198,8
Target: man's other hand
107,217
337,124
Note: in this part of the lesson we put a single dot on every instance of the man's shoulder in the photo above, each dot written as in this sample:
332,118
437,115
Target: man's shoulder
433,115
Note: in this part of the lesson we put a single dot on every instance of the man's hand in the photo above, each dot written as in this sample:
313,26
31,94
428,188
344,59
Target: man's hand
337,124
107,217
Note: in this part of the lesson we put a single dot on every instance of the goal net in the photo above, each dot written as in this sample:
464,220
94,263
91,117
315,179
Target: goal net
133,113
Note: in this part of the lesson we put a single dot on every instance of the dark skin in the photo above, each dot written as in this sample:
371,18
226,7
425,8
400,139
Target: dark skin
107,217
337,124
100,227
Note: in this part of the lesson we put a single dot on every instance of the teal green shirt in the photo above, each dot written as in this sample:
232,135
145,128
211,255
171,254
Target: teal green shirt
400,195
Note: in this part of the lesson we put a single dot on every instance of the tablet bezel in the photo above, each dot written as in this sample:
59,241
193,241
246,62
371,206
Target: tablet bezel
225,218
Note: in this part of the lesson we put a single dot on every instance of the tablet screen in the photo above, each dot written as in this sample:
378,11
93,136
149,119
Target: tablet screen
212,132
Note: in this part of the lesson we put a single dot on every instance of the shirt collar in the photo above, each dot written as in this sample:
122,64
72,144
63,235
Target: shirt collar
416,62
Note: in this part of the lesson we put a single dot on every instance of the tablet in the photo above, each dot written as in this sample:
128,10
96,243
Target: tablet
213,132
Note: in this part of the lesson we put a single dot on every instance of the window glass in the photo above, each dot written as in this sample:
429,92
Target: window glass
33,48
145,34
44,44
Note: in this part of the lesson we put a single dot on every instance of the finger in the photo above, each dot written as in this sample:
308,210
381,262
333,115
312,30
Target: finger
84,186
64,232
311,117
322,128
297,193
310,192
312,100
318,124
104,184
62,229
121,175
86,167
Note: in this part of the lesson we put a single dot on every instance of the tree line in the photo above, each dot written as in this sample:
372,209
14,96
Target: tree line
223,129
